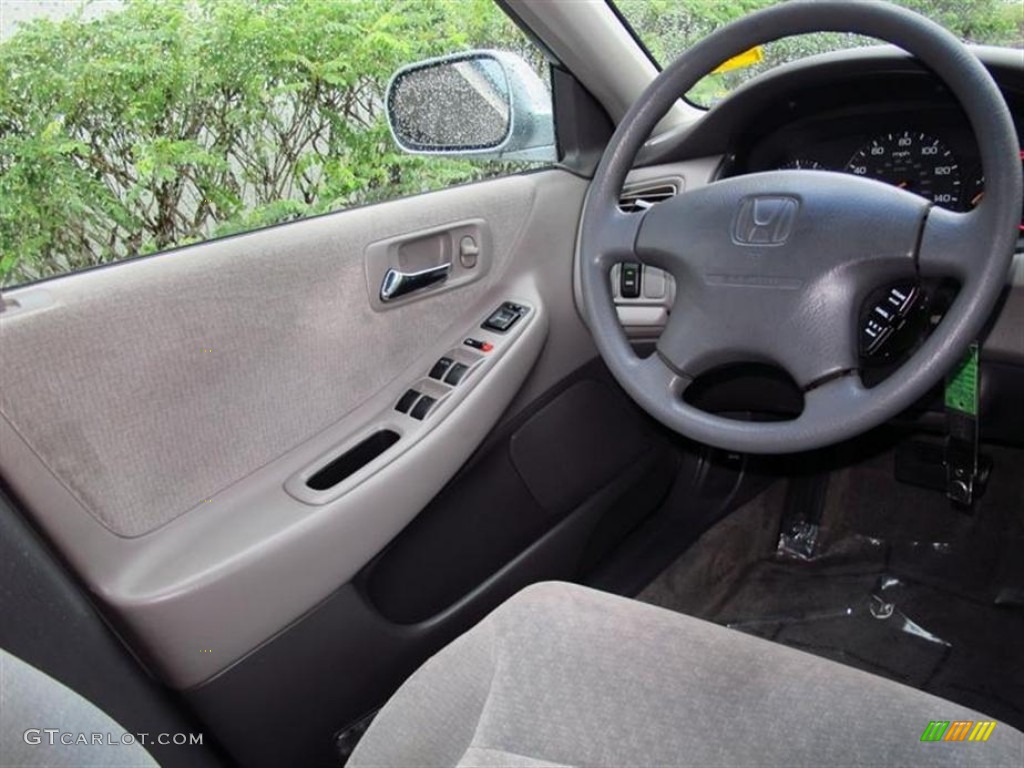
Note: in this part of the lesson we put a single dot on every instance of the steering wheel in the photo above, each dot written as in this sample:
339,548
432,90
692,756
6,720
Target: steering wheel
774,267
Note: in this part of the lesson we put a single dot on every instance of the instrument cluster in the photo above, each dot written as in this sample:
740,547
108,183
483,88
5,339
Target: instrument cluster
929,154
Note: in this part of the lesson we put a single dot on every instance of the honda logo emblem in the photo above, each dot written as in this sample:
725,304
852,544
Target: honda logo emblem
765,220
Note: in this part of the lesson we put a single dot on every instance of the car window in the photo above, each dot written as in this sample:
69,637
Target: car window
668,27
127,128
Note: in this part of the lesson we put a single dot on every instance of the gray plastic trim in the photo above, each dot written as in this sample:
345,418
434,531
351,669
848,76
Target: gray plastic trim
1005,339
33,301
687,176
256,559
646,315
589,39
411,430
642,322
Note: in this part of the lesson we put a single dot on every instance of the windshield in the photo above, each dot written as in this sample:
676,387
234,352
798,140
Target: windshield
668,27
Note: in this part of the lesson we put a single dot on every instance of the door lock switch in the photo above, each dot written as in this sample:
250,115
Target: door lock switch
405,401
483,346
456,374
422,407
441,368
504,317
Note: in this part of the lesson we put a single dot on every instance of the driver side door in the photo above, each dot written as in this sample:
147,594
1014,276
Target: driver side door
218,437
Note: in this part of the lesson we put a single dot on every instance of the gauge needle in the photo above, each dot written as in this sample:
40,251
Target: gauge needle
903,184
977,199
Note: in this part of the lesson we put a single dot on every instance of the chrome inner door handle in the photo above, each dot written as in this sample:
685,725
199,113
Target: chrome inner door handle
397,283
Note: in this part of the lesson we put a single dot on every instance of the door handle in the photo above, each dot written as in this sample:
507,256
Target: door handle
397,283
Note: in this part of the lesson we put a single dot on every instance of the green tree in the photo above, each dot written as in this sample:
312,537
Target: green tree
176,120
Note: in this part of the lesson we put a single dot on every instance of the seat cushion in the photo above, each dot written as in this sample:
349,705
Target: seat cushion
561,675
81,736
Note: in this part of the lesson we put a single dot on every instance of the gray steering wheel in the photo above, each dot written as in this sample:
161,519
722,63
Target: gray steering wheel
774,267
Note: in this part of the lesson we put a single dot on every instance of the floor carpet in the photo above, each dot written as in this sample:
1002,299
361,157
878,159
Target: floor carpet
891,580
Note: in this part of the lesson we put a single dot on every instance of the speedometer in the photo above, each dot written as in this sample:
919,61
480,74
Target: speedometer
913,161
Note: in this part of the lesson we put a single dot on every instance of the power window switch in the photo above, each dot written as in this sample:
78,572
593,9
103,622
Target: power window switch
405,401
441,368
456,374
423,407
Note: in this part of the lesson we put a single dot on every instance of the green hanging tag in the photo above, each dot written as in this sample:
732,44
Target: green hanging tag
962,385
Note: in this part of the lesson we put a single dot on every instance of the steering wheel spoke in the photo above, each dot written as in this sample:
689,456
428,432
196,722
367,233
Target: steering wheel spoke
618,236
828,348
952,244
655,372
831,402
690,345
810,331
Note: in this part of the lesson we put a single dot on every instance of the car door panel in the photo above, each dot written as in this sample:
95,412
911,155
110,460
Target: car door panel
153,411
232,352
479,541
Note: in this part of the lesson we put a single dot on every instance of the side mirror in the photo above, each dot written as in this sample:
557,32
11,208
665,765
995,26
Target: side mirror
488,105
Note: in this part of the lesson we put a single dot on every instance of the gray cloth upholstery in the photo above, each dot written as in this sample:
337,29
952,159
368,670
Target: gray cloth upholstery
561,675
33,701
113,390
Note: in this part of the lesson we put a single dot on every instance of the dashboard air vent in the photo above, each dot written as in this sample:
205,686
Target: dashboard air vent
641,197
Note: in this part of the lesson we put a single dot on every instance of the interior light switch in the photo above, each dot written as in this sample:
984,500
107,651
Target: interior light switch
630,275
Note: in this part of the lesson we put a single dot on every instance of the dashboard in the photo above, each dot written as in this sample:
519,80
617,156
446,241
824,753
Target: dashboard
910,134
900,126
876,113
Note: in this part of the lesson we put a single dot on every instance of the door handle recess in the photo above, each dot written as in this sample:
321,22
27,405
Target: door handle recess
397,283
